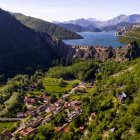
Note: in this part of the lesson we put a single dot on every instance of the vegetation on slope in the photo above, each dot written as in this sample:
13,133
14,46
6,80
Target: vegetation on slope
114,118
131,36
47,27
81,70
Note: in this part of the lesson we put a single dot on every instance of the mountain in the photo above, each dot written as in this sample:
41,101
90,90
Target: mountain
121,19
116,27
78,28
108,25
82,22
47,27
22,48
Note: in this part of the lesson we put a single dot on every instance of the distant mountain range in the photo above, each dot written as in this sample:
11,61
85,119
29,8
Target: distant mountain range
91,24
47,27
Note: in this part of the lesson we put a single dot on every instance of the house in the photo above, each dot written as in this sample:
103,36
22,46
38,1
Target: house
29,100
75,103
48,119
27,131
29,106
20,115
6,134
92,116
66,130
70,117
62,128
66,104
112,130
48,99
81,89
58,110
34,113
122,96
77,108
50,108
82,128
37,122
59,102
42,107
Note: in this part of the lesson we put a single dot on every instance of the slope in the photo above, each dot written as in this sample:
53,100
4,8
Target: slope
44,26
22,48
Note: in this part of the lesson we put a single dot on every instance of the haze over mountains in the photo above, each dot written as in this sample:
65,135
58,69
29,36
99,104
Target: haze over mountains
112,24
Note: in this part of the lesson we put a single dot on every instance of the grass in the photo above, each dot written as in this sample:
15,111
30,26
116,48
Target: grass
7,125
35,93
75,97
52,85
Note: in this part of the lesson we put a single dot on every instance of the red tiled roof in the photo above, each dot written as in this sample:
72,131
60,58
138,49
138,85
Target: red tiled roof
27,131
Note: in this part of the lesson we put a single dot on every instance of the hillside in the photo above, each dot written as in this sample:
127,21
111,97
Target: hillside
105,105
47,27
23,49
132,35
78,28
122,18
116,27
73,27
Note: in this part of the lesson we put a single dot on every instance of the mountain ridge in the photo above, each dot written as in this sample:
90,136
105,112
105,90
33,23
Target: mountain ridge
118,20
22,48
47,27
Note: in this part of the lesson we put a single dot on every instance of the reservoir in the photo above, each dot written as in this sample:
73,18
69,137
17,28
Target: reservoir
96,38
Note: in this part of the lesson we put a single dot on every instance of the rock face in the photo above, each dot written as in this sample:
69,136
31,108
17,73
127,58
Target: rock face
104,53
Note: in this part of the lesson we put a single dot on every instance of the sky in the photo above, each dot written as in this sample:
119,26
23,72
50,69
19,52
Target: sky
64,10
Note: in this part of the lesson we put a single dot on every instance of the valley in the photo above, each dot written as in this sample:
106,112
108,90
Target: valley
72,79
89,96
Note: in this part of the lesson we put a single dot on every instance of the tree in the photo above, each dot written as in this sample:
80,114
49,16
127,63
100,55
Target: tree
96,137
136,125
77,121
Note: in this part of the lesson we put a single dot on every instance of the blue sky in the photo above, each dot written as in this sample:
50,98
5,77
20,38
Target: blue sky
63,10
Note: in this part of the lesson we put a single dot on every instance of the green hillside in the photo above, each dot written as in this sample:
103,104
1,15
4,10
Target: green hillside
47,27
133,35
105,114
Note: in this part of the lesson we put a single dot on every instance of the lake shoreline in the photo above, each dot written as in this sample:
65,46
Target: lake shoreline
96,39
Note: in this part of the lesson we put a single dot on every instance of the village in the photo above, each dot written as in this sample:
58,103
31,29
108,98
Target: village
42,109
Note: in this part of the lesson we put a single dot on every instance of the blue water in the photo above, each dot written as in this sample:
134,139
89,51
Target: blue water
96,38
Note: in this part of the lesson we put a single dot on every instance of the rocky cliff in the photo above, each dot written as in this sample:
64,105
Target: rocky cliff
102,53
